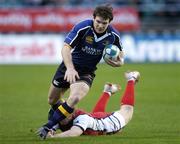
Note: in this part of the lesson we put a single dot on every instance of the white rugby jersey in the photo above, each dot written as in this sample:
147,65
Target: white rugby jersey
98,126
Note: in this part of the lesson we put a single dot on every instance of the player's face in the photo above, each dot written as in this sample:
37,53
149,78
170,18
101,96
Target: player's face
100,24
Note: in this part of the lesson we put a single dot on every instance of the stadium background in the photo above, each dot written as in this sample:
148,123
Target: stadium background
31,36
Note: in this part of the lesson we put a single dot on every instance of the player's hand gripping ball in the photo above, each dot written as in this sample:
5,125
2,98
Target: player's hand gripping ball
111,52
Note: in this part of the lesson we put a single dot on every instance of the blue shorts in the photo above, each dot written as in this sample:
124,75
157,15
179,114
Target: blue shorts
85,76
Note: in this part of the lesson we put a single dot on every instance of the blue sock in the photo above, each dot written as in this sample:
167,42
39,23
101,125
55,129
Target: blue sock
55,106
52,109
61,113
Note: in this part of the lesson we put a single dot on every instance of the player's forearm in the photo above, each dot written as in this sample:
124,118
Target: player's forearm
73,132
67,57
62,135
65,134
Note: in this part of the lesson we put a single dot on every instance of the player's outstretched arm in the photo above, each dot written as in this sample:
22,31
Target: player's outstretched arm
73,132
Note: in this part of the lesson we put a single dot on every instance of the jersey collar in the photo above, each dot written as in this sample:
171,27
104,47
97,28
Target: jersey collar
100,38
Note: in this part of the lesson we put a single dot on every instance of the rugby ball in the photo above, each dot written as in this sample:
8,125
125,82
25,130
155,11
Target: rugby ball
111,52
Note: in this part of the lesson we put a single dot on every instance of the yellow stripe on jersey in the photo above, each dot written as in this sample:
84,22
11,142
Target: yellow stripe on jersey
66,113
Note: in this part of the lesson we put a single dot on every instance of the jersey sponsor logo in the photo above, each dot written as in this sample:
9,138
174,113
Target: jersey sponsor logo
89,39
91,51
55,82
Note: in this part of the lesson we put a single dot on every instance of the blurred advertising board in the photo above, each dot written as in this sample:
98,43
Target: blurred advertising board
60,19
151,48
46,49
30,49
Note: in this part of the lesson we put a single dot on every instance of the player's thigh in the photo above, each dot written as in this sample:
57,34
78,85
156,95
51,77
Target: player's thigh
78,90
55,93
127,112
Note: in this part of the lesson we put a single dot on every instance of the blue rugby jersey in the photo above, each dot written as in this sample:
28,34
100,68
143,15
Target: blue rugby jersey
87,46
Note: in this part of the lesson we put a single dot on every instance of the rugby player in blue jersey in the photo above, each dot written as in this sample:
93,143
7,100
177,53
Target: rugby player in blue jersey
82,51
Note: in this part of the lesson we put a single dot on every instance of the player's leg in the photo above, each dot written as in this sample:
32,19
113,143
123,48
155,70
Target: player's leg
55,94
77,91
127,101
57,90
55,98
109,89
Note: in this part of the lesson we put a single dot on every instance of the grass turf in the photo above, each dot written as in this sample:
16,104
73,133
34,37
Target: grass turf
23,104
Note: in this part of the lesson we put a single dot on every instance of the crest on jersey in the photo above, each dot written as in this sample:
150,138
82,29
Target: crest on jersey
89,39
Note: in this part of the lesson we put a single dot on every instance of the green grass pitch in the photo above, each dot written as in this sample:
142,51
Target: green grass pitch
156,119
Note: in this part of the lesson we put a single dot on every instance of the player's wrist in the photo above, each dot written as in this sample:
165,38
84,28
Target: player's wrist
70,67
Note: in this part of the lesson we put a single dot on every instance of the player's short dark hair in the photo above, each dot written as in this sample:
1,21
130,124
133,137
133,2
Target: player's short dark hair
104,11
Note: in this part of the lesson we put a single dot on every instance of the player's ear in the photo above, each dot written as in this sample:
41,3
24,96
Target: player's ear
94,17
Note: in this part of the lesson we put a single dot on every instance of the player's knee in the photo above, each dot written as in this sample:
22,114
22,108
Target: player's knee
129,116
73,100
77,93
